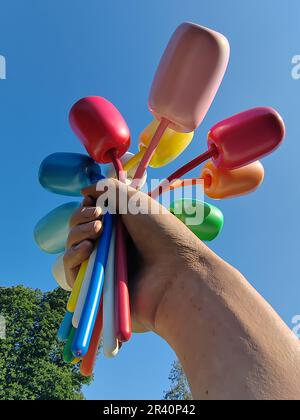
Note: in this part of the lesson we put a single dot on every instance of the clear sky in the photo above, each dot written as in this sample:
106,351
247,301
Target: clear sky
58,51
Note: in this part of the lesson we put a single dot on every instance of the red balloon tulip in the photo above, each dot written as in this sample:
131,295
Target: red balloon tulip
100,127
246,137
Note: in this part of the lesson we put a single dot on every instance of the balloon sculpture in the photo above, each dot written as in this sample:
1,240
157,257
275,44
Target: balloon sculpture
186,82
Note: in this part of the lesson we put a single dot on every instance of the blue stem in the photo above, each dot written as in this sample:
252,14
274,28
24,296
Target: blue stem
90,310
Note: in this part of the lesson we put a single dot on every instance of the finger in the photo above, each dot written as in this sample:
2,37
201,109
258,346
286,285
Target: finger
90,192
88,231
73,259
145,224
85,215
95,191
76,255
88,202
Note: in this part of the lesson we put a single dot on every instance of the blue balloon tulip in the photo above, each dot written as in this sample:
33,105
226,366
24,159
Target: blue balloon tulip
51,232
68,173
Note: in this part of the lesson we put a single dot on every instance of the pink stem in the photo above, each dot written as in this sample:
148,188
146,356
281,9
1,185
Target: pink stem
149,152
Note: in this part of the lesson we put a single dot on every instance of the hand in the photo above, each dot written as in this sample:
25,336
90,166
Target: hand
161,250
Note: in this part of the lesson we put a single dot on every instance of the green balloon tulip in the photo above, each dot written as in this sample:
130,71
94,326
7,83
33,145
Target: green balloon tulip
187,210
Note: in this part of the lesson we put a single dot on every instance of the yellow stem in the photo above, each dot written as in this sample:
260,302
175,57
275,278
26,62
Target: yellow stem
71,306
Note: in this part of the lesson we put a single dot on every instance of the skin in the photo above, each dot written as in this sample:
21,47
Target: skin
231,343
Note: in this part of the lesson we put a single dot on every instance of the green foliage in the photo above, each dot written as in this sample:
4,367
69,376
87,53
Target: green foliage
179,385
31,364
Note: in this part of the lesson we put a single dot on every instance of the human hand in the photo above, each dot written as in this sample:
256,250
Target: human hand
161,250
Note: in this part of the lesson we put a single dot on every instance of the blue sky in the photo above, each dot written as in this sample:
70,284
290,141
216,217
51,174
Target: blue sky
59,51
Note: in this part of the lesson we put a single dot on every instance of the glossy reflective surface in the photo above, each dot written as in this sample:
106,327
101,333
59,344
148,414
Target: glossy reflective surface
188,76
51,232
223,183
246,137
211,218
171,145
100,127
68,173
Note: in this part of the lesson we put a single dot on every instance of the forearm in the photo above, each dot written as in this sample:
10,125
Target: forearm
231,343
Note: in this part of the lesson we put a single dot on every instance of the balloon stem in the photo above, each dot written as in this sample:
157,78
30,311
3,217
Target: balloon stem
73,299
89,360
122,301
134,161
183,171
141,169
118,166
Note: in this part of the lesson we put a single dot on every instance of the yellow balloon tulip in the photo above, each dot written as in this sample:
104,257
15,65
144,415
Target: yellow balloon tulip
171,145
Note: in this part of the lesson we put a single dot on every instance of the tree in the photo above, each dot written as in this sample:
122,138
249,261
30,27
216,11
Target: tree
31,364
179,385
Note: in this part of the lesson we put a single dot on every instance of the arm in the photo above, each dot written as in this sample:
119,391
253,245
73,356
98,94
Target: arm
231,343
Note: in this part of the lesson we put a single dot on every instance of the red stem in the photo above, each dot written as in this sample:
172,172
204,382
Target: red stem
192,165
184,170
122,301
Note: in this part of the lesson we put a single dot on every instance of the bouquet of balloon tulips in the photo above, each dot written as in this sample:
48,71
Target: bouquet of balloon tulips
186,82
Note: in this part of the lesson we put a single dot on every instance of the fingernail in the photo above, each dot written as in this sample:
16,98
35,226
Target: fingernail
97,226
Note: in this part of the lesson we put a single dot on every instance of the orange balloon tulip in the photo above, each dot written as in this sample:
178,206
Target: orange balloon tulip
220,183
